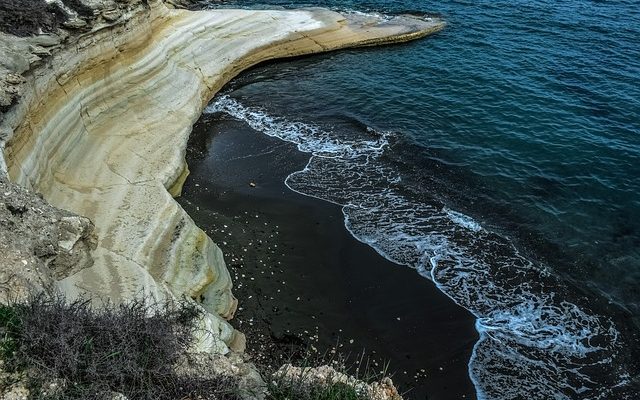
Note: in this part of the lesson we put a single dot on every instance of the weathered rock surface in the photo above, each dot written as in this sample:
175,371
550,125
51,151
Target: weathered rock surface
39,244
104,136
250,384
326,375
101,126
95,117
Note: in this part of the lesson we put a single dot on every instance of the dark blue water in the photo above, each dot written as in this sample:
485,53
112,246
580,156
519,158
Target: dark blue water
500,159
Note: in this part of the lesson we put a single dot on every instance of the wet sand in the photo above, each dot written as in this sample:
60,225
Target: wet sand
302,280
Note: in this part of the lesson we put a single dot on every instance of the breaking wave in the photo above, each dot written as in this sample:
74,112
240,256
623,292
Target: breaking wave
533,342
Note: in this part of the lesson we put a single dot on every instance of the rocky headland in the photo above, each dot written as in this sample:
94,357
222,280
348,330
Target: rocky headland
97,101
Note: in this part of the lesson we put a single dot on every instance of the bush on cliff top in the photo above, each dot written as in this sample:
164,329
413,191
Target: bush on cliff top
89,354
28,17
62,350
293,390
331,376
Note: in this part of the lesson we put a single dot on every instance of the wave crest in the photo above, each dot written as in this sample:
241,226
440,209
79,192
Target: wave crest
533,343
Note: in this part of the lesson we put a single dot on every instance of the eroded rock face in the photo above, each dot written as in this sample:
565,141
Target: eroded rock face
95,113
105,137
17,56
31,29
99,124
154,250
39,244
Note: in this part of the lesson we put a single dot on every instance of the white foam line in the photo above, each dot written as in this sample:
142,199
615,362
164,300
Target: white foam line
306,168
463,220
540,325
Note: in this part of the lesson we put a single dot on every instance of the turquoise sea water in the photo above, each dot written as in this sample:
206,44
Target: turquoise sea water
500,159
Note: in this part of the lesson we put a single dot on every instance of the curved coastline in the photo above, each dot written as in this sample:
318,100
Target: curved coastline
102,128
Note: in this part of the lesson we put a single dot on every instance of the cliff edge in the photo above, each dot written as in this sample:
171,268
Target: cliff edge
97,101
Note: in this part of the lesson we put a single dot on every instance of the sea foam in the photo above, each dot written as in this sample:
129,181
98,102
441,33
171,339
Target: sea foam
533,343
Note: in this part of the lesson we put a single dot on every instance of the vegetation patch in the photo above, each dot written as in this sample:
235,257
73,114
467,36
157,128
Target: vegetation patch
292,390
333,378
59,350
32,17
27,17
72,351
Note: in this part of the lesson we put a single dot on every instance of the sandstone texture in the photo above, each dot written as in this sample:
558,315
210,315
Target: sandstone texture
97,122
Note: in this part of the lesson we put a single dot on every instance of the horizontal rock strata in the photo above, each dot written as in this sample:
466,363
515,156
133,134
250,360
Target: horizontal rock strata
102,127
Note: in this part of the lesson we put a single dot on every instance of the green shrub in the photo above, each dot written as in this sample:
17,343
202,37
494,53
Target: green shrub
293,390
306,386
11,326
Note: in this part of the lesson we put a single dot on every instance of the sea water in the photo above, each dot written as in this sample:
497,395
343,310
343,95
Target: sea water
500,159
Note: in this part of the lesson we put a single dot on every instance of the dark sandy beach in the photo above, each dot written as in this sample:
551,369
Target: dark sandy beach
303,280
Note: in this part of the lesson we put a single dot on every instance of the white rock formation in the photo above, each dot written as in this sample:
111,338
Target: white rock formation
101,130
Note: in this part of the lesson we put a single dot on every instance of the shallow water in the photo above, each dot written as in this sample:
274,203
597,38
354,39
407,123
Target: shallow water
500,159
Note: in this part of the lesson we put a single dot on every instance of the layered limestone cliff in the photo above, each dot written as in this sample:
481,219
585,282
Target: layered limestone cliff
101,127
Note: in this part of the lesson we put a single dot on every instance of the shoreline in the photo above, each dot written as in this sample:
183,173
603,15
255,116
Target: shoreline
98,124
290,116
126,89
100,127
336,289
